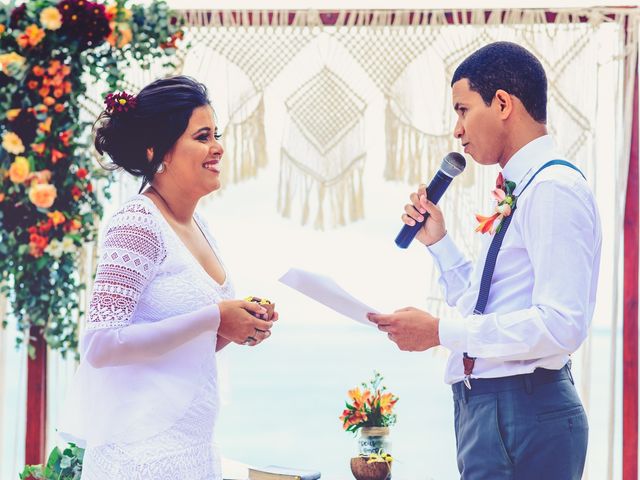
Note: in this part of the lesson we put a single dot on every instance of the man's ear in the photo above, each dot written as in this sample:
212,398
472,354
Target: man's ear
504,102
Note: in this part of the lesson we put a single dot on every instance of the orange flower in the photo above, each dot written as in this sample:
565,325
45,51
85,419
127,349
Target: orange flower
38,71
67,87
32,84
387,401
72,225
12,143
19,170
58,92
13,113
23,40
57,80
42,177
122,37
359,398
352,417
37,244
2,29
54,66
39,148
110,12
66,70
485,224
48,101
1,197
44,91
59,107
34,34
42,195
56,155
57,217
11,63
45,127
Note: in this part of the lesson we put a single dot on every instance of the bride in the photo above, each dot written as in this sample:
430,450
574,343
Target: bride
144,400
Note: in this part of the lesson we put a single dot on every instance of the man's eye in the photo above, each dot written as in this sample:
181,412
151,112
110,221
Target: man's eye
217,136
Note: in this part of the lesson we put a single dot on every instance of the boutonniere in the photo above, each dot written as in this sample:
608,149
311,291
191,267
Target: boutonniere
505,203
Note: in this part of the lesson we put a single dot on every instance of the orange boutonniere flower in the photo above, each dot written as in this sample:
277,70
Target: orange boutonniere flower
505,202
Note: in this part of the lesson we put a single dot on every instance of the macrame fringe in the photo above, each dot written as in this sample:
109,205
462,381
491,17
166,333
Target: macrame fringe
371,18
413,155
343,193
245,146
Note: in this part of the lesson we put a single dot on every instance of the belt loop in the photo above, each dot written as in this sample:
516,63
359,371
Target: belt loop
528,383
568,367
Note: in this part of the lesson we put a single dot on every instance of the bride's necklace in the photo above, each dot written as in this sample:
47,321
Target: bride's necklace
166,204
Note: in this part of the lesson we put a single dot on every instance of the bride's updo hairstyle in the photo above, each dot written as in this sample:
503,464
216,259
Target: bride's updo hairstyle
155,118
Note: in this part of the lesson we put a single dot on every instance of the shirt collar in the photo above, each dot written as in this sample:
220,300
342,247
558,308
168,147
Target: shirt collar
533,154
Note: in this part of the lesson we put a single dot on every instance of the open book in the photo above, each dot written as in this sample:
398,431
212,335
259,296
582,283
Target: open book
273,472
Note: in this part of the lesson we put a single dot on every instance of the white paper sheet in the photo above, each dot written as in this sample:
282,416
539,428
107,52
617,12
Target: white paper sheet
326,291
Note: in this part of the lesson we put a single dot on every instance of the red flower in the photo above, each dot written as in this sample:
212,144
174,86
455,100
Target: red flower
37,244
46,226
76,193
89,187
65,136
82,173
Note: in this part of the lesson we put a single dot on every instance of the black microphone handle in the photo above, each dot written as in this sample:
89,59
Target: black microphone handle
435,190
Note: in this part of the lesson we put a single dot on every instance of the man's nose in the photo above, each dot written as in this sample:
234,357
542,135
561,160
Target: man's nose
458,131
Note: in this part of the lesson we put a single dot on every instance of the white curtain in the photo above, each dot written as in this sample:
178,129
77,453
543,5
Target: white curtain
314,103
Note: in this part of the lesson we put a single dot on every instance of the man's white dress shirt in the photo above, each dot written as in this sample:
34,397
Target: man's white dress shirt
544,285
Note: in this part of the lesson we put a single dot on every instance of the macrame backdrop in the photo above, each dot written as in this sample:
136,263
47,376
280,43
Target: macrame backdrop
328,83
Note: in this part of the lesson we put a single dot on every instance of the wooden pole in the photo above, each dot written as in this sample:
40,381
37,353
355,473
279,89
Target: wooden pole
36,439
630,319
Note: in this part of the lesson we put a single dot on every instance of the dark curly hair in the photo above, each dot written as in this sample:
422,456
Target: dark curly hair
161,115
510,67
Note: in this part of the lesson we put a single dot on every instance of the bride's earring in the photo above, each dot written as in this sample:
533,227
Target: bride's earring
161,168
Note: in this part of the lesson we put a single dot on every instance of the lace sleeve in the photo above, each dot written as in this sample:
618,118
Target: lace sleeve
131,253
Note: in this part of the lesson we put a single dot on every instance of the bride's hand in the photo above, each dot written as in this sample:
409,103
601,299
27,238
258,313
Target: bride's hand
239,322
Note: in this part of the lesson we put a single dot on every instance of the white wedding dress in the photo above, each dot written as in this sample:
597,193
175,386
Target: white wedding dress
144,400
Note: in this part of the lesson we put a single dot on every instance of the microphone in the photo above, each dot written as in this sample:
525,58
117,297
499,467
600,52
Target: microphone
452,165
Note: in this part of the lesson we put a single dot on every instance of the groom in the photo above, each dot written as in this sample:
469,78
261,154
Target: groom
527,303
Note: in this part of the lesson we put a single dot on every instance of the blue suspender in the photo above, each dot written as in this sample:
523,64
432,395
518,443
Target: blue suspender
492,256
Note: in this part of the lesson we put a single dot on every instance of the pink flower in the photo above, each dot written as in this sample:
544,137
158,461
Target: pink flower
498,194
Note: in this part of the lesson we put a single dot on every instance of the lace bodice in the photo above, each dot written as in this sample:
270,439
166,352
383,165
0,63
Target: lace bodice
134,252
147,378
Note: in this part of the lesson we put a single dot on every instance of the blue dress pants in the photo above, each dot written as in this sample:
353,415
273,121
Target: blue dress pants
525,427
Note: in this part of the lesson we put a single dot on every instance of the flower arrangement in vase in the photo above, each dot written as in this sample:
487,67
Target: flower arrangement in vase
369,411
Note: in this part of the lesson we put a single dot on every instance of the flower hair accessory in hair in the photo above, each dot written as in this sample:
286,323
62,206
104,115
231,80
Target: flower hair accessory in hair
120,102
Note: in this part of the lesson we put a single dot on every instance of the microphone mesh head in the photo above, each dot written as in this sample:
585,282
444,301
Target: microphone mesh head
453,164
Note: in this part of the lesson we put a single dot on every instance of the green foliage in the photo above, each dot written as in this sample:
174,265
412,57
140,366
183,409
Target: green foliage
49,52
65,465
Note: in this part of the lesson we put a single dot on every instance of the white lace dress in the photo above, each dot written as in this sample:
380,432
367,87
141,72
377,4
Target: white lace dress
144,400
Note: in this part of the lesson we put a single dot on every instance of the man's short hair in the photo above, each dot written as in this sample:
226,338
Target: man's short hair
510,67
